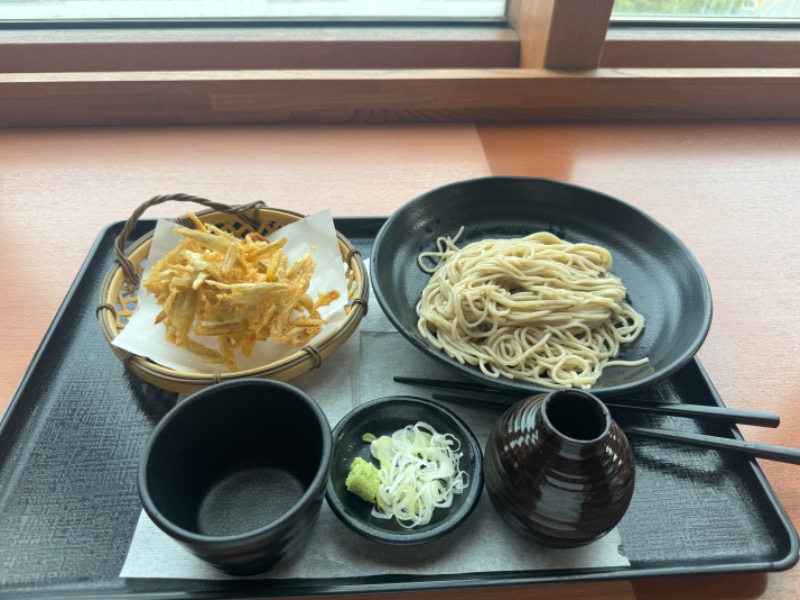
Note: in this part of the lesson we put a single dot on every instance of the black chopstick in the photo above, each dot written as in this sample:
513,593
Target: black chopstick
473,402
752,449
463,386
734,415
742,416
746,417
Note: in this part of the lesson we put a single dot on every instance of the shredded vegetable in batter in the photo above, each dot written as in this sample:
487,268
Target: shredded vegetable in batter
419,472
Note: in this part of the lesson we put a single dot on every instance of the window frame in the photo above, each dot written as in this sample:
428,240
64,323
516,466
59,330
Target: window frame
713,44
560,69
267,47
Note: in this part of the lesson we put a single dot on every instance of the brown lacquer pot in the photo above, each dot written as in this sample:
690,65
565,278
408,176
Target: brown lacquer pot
558,469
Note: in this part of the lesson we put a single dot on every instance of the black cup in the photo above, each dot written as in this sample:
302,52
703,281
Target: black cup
237,472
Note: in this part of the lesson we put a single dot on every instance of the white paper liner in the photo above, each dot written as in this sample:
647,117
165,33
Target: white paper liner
361,370
143,337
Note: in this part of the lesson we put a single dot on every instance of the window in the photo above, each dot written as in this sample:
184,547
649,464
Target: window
169,35
703,34
696,12
237,11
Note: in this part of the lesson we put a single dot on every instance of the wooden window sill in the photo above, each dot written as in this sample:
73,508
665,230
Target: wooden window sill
394,96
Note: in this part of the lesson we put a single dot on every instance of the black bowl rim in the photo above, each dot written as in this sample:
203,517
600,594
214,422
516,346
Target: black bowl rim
453,520
688,354
308,498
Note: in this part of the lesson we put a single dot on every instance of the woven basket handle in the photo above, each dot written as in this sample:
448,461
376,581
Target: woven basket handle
240,211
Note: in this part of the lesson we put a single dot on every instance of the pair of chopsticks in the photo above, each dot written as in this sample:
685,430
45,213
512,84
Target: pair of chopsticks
730,415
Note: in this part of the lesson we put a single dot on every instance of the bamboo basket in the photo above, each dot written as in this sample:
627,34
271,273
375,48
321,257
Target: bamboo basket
119,291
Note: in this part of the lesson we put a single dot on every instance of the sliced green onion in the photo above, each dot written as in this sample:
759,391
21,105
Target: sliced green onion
419,472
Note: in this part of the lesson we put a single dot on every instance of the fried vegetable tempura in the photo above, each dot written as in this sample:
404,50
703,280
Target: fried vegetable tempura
240,290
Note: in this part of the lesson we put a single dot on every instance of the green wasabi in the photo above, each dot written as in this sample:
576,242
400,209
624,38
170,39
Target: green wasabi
363,480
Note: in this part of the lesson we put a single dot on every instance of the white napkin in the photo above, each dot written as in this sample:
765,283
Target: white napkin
361,370
143,337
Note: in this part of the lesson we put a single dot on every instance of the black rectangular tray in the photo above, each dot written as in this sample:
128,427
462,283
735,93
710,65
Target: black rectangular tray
71,438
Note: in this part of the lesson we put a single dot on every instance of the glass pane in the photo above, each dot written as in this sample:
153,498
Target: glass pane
708,9
49,10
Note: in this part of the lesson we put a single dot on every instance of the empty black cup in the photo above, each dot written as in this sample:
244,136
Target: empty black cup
237,472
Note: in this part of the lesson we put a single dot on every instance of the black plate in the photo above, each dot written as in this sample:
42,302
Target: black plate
72,437
665,282
383,416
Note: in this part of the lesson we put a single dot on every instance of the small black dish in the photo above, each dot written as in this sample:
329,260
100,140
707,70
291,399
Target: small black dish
382,417
236,473
665,283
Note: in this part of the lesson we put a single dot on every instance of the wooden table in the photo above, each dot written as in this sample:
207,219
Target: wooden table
728,189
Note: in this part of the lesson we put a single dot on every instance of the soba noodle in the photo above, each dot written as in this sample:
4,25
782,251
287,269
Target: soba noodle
534,309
